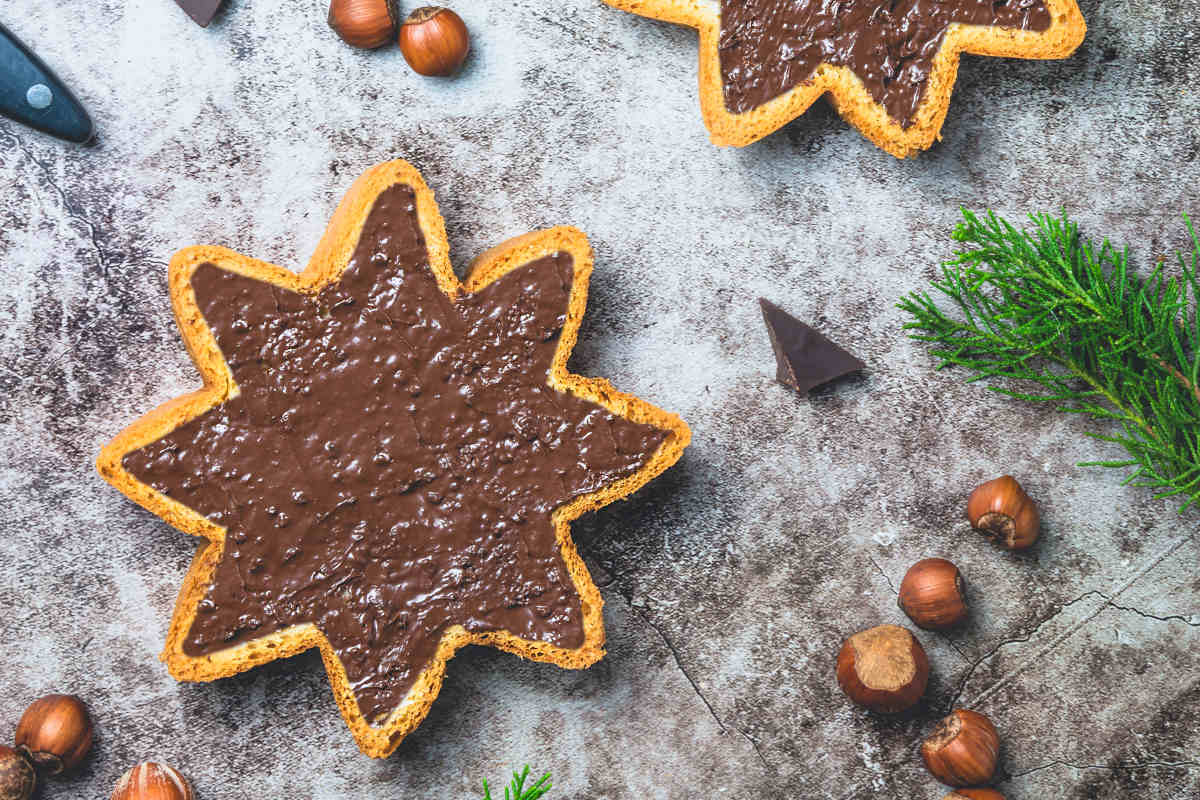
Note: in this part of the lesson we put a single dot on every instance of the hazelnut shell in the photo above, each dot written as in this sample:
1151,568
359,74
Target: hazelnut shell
963,749
933,594
363,23
883,668
434,41
55,732
1002,511
974,794
152,781
17,776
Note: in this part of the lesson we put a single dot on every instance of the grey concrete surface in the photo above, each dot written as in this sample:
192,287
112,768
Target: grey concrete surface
731,581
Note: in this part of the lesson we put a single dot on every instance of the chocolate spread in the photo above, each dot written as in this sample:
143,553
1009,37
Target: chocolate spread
769,46
392,460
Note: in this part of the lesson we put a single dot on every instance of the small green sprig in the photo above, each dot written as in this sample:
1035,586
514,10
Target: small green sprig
1048,307
517,790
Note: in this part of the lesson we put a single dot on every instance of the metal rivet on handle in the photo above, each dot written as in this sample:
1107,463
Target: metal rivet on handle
39,96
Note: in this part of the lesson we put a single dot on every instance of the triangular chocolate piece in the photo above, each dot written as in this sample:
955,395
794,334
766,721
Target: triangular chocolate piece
806,357
201,11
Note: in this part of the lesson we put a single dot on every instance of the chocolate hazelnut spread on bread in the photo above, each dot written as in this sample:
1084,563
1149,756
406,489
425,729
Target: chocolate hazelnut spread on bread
392,459
769,46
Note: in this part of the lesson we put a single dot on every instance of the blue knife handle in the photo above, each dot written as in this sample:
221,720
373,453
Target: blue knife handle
31,94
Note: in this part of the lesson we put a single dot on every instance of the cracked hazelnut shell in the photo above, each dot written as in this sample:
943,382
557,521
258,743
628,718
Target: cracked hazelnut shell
55,732
883,668
17,777
434,41
152,781
934,594
974,794
963,749
363,23
1001,510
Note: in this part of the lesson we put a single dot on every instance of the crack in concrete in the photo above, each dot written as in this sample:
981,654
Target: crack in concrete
884,575
1188,765
958,649
962,684
1172,618
757,750
696,688
1040,654
72,212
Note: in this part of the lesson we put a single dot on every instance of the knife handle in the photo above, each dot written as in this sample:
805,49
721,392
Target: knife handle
31,94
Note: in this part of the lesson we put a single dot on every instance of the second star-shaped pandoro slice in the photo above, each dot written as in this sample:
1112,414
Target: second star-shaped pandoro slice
385,461
888,66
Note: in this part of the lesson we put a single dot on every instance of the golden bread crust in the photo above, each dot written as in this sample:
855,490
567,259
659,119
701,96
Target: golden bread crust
846,90
326,265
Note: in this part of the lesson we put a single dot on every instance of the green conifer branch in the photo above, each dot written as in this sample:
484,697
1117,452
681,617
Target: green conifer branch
517,790
1048,309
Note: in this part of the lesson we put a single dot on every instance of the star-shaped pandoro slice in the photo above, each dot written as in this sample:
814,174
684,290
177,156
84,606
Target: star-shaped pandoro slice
743,99
384,461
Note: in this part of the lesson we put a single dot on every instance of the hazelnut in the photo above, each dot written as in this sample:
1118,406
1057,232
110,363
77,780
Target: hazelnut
17,777
1001,510
974,794
884,669
152,781
363,23
55,732
934,594
962,750
434,41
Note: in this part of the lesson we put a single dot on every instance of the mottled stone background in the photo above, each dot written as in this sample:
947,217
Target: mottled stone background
731,581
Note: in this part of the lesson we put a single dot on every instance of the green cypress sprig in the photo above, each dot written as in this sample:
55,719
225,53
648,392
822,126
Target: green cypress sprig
1047,307
517,789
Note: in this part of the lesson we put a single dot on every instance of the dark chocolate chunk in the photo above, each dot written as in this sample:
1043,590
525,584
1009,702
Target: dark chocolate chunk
806,357
202,11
